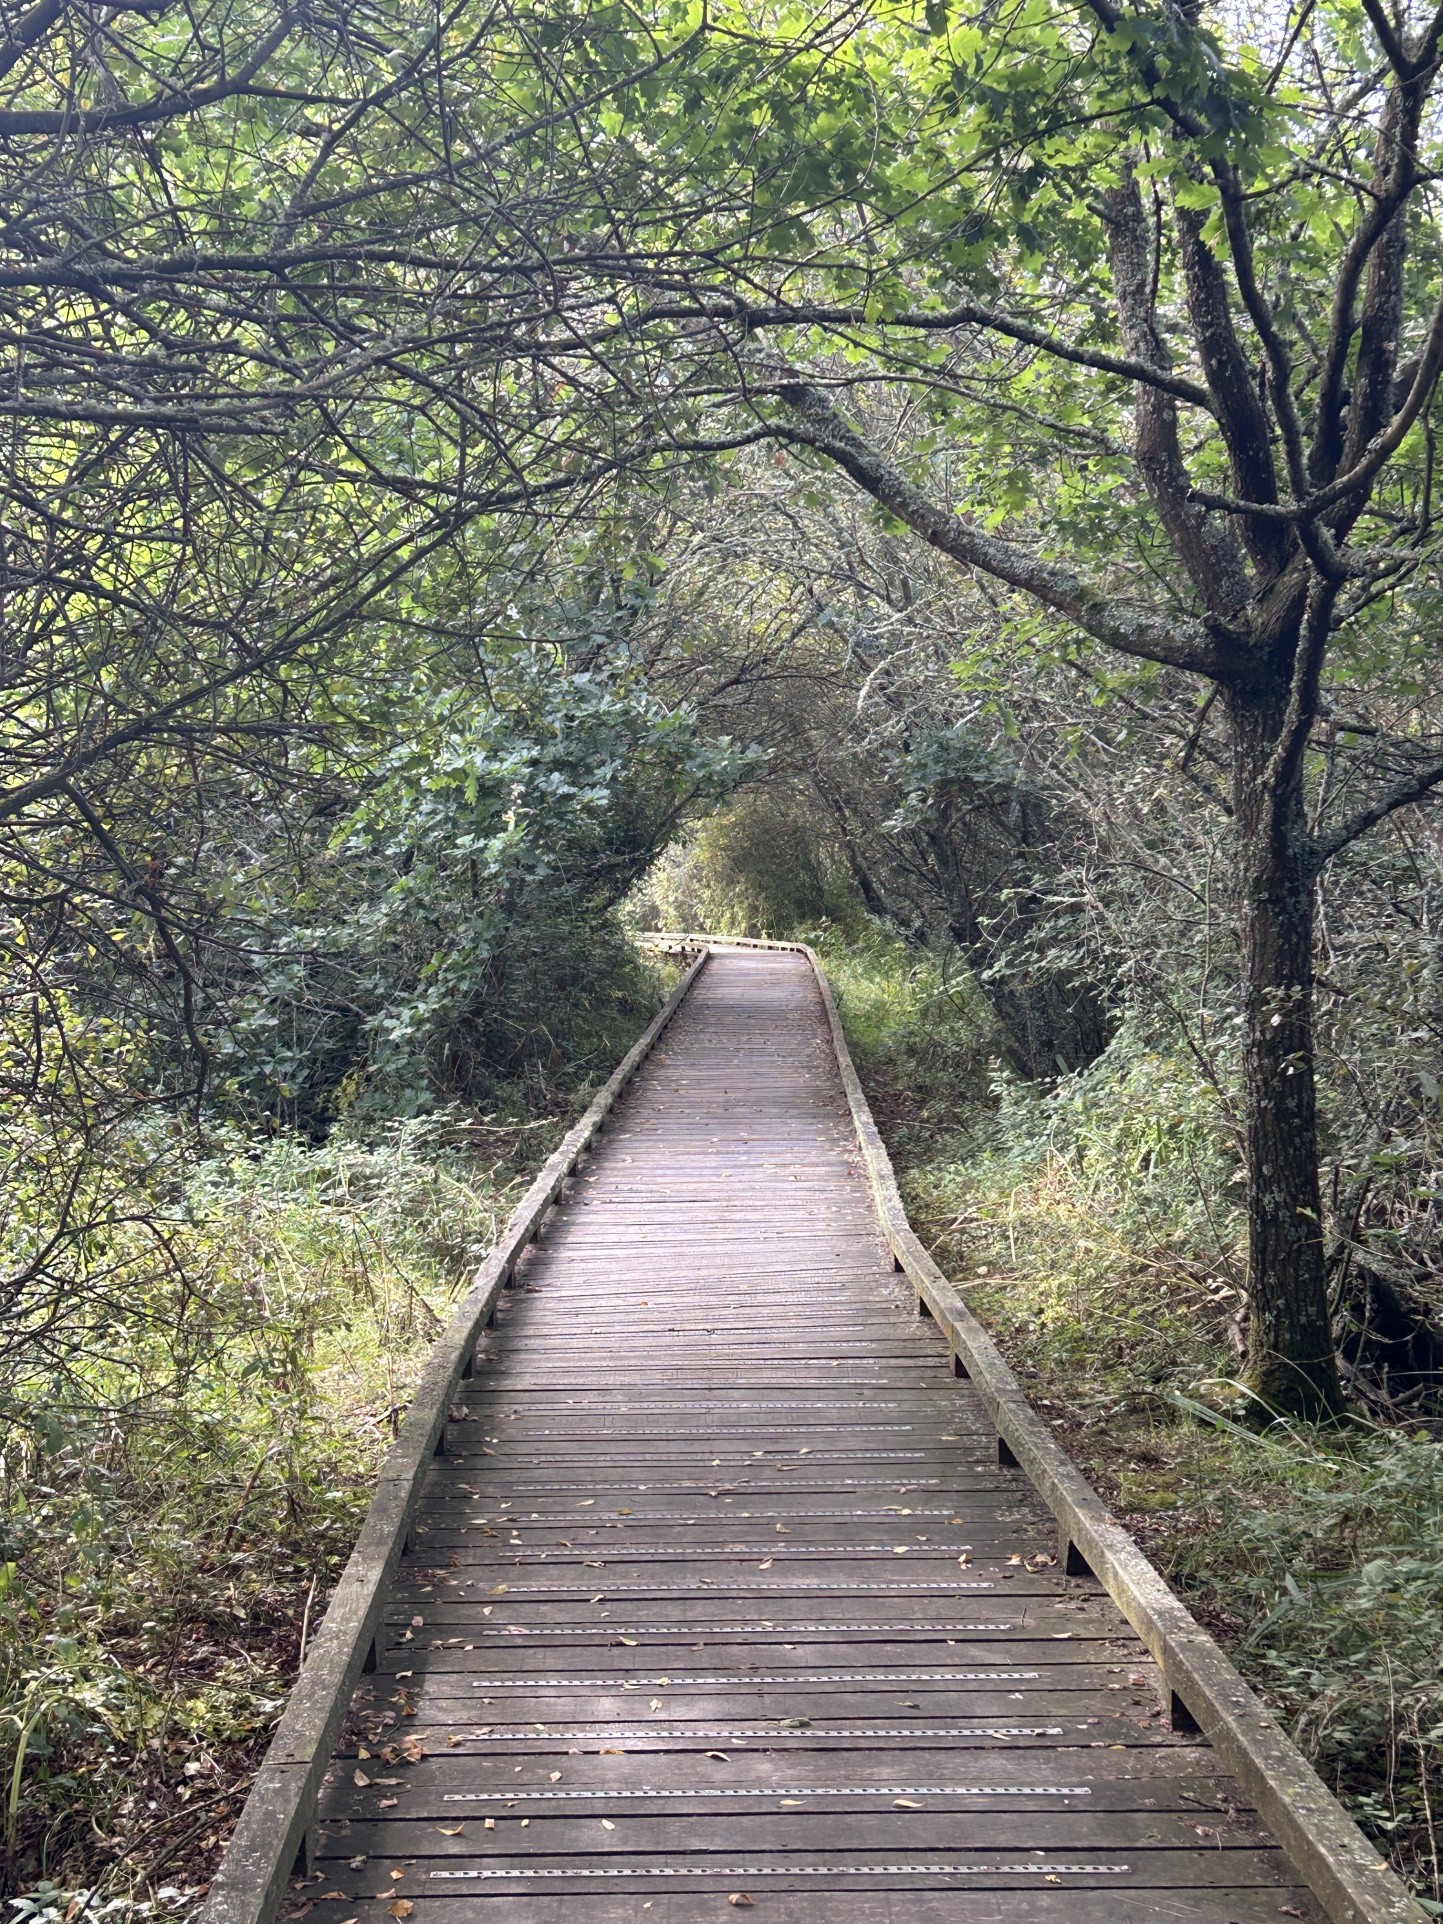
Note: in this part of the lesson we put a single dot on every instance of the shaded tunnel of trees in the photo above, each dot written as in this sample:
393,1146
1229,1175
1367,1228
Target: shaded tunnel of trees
474,478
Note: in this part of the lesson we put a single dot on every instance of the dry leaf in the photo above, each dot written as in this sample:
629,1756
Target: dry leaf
490,1823
606,1824
357,1863
720,1756
389,1803
630,1642
402,1907
554,1776
741,1900
359,1779
327,1896
362,1752
905,1803
765,1564
452,1830
396,1876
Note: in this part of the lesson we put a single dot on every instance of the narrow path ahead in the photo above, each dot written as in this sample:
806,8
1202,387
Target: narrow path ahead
719,1591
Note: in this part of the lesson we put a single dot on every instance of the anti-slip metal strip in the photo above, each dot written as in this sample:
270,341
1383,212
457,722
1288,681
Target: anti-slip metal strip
785,1790
746,1681
790,1870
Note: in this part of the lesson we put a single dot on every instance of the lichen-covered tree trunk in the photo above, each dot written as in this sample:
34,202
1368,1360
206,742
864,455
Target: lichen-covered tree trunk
1292,1364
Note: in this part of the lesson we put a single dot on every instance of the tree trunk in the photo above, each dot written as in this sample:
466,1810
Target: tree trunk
1292,1365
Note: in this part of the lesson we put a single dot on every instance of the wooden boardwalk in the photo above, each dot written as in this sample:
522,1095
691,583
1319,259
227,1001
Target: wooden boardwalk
719,1591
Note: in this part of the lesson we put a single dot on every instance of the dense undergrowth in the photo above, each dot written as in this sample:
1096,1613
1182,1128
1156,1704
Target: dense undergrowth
176,1506
1092,1232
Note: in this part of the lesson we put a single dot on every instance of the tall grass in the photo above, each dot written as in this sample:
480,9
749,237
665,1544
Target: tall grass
175,1509
1097,1232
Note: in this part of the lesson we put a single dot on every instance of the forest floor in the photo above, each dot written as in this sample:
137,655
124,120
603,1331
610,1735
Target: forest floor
1088,1233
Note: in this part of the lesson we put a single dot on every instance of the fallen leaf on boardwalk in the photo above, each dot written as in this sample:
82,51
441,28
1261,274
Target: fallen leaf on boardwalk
586,1502
451,1830
455,1738
965,1557
525,1821
389,1803
490,1823
1290,1910
606,1824
1050,1878
327,1896
719,1756
899,1549
362,1752
905,1803
765,1564
611,1750
741,1900
359,1779
402,1907
357,1863
501,1589
630,1642
555,1776
396,1876
791,1803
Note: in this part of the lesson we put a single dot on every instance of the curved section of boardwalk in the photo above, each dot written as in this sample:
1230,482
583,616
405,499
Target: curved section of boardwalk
719,1592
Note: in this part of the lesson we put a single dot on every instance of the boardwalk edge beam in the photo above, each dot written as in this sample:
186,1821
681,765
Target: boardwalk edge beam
273,1836
1348,1877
